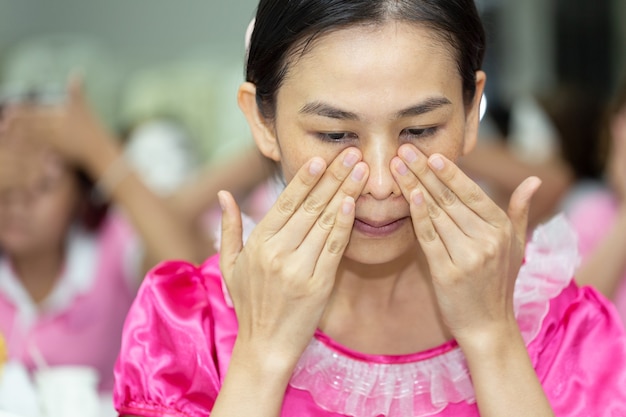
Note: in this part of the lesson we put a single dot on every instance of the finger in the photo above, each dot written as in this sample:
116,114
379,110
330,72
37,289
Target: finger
435,190
314,242
317,199
232,231
519,205
464,188
75,89
440,212
292,196
429,239
335,245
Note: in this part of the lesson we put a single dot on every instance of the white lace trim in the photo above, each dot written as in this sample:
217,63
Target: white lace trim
344,385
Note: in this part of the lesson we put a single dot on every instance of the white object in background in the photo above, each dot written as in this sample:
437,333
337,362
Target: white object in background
532,135
18,395
68,391
162,154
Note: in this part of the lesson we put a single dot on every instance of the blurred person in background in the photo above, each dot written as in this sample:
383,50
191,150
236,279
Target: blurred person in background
597,211
70,262
184,134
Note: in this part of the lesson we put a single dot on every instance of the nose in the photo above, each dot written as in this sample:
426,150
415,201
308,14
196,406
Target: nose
378,154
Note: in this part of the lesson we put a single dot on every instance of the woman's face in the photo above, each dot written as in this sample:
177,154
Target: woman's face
36,218
373,88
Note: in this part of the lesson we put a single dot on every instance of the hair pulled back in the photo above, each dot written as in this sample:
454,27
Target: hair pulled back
284,28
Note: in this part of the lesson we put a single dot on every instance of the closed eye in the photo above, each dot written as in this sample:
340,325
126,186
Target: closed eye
336,136
418,133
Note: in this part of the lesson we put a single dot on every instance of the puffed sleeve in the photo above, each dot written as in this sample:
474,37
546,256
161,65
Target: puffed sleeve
580,355
167,364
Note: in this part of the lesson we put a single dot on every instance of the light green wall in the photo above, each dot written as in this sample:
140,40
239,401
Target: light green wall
143,31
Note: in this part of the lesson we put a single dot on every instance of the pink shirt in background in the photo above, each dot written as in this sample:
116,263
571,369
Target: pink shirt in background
180,332
80,322
592,215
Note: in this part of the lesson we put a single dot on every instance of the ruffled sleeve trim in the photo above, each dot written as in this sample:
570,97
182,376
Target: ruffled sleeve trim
549,265
357,385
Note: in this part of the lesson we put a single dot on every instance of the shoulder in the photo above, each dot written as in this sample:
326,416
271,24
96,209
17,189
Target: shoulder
580,353
170,358
575,338
590,203
174,290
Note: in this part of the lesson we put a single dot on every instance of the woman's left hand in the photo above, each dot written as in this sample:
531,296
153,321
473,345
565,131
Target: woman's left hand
474,249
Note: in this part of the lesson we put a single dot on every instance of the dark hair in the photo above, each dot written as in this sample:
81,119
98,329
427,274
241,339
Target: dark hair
93,206
286,27
576,113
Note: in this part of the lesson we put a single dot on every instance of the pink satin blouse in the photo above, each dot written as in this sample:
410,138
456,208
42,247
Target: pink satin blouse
179,336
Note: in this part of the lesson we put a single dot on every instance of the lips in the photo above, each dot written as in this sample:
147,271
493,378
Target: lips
378,228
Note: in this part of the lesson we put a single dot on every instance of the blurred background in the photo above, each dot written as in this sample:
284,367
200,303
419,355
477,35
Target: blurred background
162,75
534,46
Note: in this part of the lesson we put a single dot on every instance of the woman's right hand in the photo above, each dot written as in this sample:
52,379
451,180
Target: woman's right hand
280,281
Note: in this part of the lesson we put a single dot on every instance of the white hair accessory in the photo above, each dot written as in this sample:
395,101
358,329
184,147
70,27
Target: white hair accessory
248,37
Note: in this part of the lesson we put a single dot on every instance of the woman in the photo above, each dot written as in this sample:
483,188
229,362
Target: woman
381,282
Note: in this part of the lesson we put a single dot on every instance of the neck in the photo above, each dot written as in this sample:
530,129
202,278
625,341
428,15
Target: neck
381,284
39,270
389,308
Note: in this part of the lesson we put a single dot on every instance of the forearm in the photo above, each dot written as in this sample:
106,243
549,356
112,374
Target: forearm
606,265
162,233
239,174
504,380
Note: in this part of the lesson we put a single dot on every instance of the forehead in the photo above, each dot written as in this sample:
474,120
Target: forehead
384,62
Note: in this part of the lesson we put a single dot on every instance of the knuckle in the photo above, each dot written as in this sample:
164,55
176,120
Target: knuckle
335,246
275,261
474,194
433,210
447,197
490,249
286,205
338,175
421,169
312,204
327,221
448,175
427,235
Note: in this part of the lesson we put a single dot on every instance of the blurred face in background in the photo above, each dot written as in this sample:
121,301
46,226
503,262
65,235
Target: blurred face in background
35,218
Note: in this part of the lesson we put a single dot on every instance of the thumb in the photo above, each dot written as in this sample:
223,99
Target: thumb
519,205
232,229
75,87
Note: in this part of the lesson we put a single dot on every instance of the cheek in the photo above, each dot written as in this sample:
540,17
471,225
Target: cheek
449,143
58,207
295,156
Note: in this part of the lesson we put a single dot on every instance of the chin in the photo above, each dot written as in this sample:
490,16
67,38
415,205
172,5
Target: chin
379,251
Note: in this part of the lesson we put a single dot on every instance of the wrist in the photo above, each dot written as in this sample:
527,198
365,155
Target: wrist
496,343
264,362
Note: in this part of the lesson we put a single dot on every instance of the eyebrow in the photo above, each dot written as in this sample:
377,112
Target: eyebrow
318,108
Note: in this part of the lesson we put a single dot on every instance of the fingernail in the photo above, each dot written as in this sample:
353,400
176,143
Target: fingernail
409,154
350,159
220,199
347,205
417,197
401,167
315,167
436,162
358,173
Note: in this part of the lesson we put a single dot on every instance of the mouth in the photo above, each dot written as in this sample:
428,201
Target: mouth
376,228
